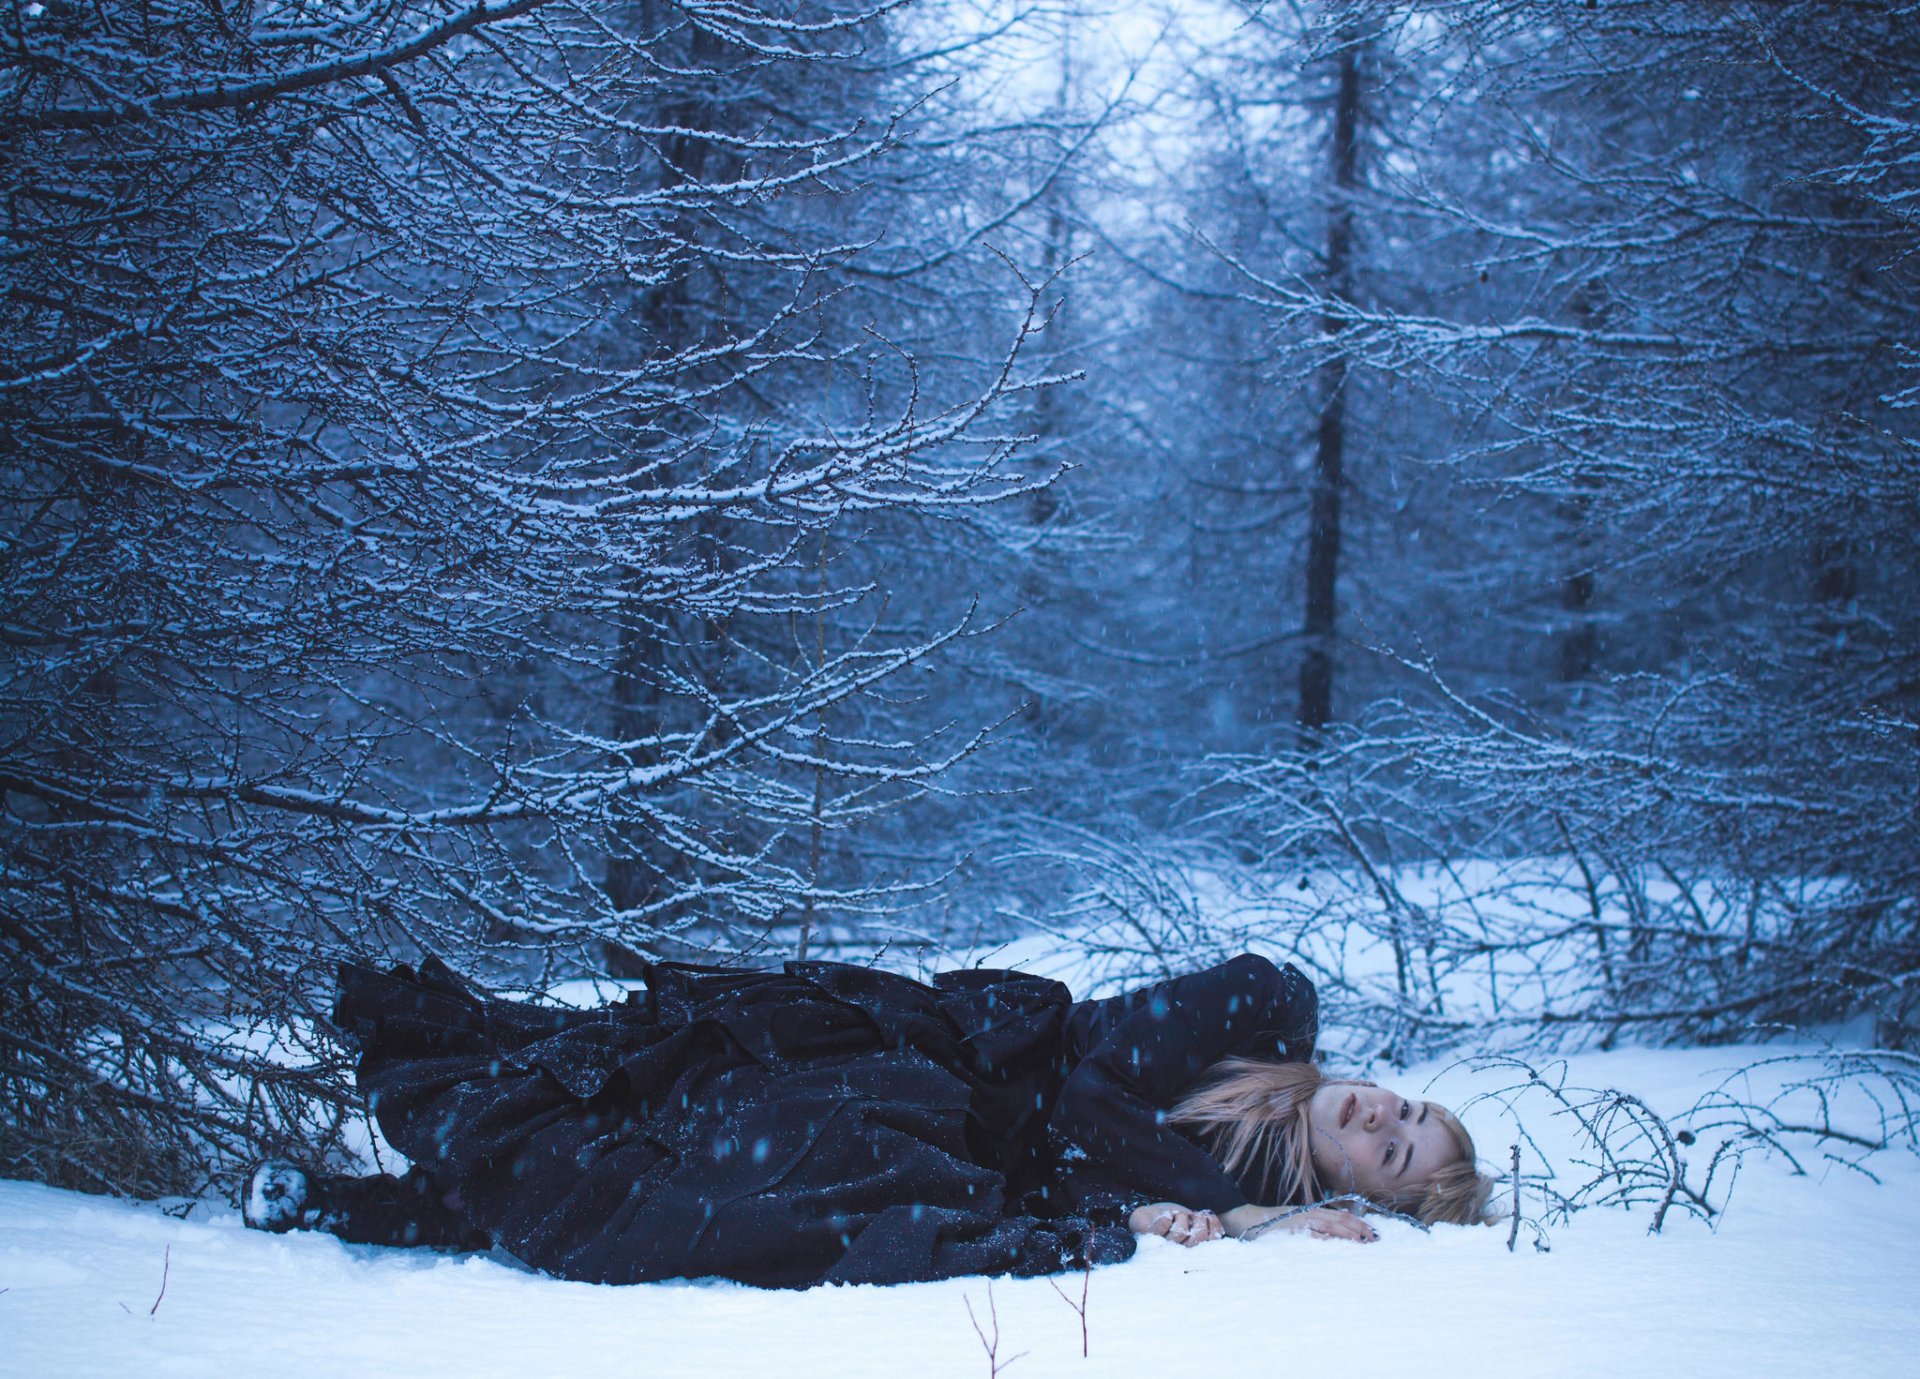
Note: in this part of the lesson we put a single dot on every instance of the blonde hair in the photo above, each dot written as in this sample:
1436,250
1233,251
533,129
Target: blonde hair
1252,1116
1457,1191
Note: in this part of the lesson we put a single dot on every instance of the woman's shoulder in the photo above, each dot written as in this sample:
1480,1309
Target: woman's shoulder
1254,969
1279,997
1240,978
1251,967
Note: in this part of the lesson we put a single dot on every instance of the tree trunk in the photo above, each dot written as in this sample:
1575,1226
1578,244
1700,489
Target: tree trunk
1323,533
1579,589
639,699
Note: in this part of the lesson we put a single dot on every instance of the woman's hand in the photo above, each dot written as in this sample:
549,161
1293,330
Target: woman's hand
1322,1223
1179,1224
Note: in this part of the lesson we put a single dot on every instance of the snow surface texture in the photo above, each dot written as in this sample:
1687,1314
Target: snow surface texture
1806,1275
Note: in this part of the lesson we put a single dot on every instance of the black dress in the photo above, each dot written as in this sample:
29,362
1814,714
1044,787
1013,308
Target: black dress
825,1123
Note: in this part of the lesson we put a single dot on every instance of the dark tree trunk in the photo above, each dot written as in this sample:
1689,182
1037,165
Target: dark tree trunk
1580,645
1579,590
640,702
1323,533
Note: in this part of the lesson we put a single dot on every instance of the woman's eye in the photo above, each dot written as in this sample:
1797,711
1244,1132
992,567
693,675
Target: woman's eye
1405,1110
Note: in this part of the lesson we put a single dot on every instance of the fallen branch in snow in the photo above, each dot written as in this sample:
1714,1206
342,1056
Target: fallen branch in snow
1887,1079
1636,1154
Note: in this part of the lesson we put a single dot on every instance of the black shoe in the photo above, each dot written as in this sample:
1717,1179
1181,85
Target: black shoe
379,1209
276,1197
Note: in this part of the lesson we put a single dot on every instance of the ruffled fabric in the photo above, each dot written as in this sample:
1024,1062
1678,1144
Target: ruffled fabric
825,1123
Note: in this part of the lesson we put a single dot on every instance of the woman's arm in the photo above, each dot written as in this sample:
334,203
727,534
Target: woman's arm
1114,1103
1184,1226
1323,1223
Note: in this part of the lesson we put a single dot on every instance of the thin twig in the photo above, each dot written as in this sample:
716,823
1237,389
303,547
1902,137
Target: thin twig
1513,1231
1086,1278
166,1265
992,1347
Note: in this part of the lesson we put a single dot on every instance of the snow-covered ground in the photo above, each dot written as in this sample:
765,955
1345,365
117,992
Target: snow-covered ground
1805,1275
1803,1272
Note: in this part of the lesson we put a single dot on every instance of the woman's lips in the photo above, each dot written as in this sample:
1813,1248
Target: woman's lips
1347,1108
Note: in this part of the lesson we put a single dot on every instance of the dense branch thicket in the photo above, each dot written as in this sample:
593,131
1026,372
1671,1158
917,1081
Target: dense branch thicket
425,426
1634,294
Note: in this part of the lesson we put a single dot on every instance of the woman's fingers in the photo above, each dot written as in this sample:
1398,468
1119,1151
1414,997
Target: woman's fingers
1193,1227
1180,1224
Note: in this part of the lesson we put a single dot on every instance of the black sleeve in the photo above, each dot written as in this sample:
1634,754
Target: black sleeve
1113,1106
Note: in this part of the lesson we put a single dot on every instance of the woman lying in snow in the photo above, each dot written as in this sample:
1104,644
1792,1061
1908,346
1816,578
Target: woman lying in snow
832,1123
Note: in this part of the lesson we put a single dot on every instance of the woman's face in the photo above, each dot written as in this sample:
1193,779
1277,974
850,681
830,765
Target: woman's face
1377,1143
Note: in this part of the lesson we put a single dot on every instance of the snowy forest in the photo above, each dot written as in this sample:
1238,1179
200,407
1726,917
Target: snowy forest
1428,488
